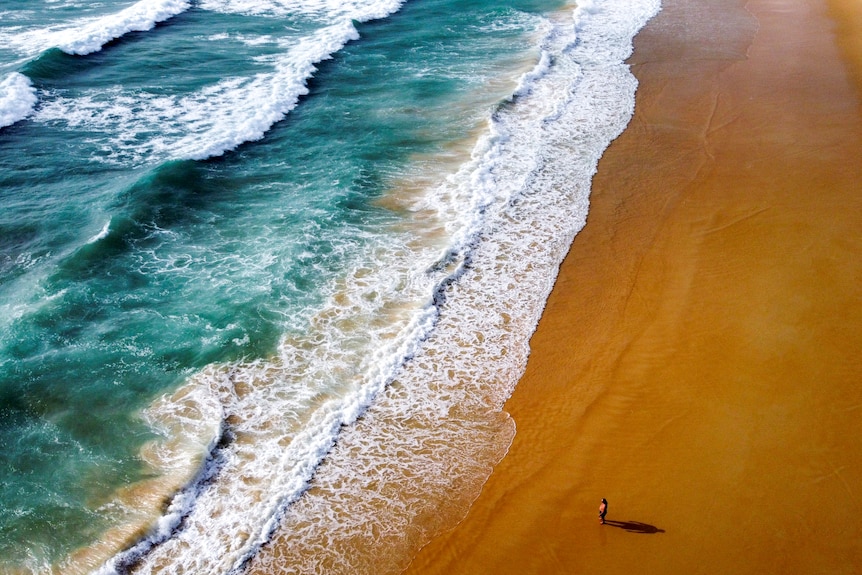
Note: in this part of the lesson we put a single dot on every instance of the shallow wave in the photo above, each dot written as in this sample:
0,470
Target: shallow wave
218,118
17,99
88,35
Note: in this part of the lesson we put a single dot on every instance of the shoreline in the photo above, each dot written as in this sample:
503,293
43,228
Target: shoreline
413,462
709,386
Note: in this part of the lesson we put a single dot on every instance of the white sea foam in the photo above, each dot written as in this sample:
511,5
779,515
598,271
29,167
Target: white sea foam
233,114
88,35
360,10
17,98
445,322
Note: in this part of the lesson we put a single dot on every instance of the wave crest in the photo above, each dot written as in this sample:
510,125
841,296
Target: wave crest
17,99
88,35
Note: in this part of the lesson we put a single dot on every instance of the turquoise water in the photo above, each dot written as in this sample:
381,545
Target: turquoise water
243,203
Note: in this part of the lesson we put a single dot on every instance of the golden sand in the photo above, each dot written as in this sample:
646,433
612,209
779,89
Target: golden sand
698,363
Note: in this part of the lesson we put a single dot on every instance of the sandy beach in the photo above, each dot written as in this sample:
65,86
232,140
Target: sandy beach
698,361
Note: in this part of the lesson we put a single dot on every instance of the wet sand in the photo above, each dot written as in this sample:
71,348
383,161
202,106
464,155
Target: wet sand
698,363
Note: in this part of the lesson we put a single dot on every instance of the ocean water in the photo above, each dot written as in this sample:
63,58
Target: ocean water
269,268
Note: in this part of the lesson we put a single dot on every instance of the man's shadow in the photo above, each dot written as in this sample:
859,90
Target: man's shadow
635,526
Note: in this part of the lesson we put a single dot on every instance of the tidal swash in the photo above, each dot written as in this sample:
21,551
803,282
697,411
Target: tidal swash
269,268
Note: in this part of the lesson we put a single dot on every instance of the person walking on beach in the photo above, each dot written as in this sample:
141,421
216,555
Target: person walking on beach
603,510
